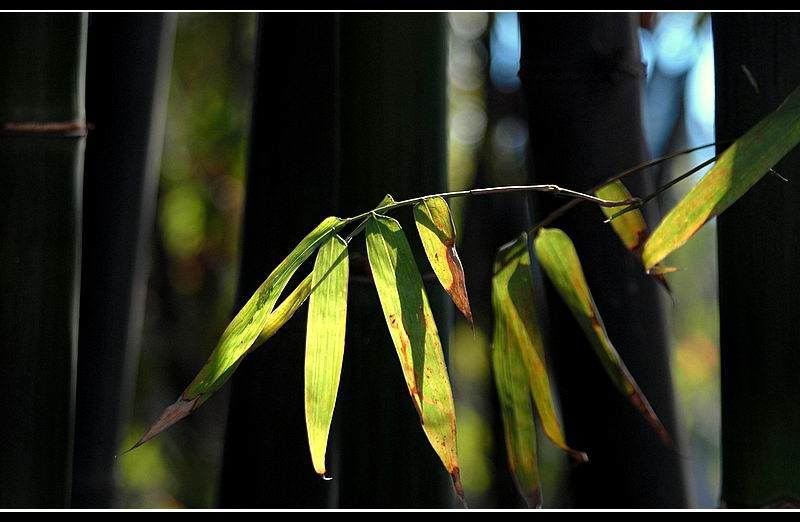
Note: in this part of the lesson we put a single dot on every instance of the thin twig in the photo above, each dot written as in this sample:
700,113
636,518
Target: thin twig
549,188
662,188
356,230
560,211
578,197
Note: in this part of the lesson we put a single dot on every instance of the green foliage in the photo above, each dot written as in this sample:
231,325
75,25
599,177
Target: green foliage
415,336
515,316
242,332
518,353
248,323
561,264
736,171
519,368
438,234
327,316
630,227
513,393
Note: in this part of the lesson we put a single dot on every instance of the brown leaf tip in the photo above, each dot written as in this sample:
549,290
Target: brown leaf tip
638,399
578,457
458,288
456,477
175,412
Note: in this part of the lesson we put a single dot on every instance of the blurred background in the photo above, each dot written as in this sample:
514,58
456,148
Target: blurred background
194,261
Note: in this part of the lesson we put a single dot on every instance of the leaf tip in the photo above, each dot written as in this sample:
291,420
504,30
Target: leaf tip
640,401
534,498
172,414
455,475
578,457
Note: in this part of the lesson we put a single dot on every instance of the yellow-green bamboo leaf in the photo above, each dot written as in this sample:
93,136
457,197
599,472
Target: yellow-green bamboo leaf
735,172
284,311
414,334
438,234
514,305
387,200
327,316
558,257
630,227
240,334
516,410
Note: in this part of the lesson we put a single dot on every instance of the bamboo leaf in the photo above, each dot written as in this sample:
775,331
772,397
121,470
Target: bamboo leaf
561,264
736,171
516,410
387,200
415,336
631,228
438,234
327,316
240,334
514,305
284,311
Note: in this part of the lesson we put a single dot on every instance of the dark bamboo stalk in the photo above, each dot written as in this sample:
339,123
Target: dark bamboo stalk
42,65
581,74
292,182
758,280
128,71
393,141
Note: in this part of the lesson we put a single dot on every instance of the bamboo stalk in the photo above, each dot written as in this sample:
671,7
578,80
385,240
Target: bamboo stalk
42,63
128,68
756,68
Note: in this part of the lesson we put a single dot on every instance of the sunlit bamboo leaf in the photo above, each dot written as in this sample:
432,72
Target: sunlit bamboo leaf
438,235
327,316
560,262
284,311
415,336
736,171
631,228
516,410
387,200
514,305
240,334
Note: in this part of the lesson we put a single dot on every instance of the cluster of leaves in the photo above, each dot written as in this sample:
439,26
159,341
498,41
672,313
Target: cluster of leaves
518,353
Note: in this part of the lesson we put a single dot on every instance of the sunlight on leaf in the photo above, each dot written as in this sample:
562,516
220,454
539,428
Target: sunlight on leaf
737,170
327,316
387,200
511,380
284,311
438,235
515,313
243,330
631,228
561,264
414,334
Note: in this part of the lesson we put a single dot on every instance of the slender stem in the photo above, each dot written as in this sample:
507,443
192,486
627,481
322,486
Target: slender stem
550,189
662,188
356,230
578,197
560,211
